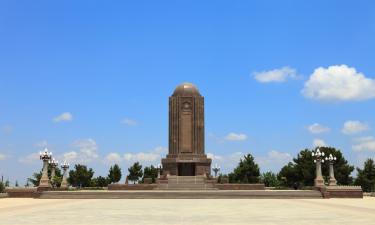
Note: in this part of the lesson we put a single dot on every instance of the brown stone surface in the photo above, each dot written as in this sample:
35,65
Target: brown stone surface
344,192
186,134
147,180
188,211
240,186
118,187
22,192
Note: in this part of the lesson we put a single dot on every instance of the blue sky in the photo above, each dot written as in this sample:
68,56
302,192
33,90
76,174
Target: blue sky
91,79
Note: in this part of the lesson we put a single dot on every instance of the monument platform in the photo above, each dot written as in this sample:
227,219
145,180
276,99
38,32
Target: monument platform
182,194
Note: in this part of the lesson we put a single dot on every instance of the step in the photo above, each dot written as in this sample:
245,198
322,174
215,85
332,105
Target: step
182,194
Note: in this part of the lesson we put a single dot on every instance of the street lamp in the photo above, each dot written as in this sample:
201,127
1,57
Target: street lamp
332,180
45,157
318,160
216,169
64,182
54,163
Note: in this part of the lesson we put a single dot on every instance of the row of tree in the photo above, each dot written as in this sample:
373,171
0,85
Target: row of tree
82,176
301,172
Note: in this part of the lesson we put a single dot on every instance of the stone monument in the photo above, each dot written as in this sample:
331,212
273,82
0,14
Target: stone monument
186,156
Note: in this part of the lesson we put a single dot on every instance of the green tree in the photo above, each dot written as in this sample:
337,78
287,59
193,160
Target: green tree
2,187
270,179
301,172
80,176
16,185
35,179
114,174
150,172
100,181
288,175
135,172
56,181
247,171
366,176
7,183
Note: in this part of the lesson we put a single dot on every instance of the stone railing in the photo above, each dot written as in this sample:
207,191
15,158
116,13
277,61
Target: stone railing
344,187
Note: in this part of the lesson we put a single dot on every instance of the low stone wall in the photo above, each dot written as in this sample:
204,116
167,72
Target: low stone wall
22,192
344,191
240,186
3,195
369,194
134,187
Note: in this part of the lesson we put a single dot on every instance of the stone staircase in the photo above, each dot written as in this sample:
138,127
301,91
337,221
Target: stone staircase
186,183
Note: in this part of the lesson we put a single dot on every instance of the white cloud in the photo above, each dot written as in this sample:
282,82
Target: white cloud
70,156
86,151
276,75
30,159
150,157
226,162
317,128
66,116
319,143
273,161
353,127
235,137
364,144
2,157
339,83
113,158
129,122
41,144
214,157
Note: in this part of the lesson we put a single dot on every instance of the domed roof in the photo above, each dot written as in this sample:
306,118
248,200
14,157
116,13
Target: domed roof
186,89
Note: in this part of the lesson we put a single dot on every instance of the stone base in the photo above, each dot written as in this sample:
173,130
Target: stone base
319,182
186,165
240,186
41,188
22,192
182,194
131,187
332,182
345,191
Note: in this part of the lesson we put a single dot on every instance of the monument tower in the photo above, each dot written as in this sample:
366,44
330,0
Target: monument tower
186,156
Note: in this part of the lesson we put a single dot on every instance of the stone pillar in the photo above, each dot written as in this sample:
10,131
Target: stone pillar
332,179
318,155
54,163
44,181
64,182
319,181
53,172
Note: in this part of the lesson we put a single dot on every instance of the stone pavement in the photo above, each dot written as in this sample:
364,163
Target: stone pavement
188,211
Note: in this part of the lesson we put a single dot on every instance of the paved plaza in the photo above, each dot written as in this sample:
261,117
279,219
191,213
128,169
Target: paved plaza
192,211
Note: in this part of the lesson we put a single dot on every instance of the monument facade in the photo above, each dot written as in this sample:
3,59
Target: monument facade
186,156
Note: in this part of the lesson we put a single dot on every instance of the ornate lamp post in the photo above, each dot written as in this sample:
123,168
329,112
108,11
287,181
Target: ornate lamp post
332,180
319,159
64,182
45,157
216,169
54,163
